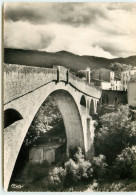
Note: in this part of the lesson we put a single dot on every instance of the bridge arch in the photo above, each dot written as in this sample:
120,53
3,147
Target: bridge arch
71,118
11,116
83,101
91,112
71,114
98,107
27,100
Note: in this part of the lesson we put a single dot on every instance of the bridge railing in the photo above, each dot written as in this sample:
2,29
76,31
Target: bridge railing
21,79
63,74
84,86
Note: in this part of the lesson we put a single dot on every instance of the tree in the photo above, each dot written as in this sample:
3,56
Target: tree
116,66
45,120
125,163
117,131
81,74
119,67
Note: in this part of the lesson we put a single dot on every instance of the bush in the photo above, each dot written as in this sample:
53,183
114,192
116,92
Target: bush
79,168
85,170
125,163
57,176
78,171
117,132
81,74
99,166
71,172
74,171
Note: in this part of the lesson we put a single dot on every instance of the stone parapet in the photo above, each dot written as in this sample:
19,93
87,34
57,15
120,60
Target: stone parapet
20,80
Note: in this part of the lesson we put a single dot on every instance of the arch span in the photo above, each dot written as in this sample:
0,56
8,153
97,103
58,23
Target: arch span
69,104
71,118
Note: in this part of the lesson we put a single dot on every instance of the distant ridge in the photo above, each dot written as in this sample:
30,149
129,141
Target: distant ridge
69,60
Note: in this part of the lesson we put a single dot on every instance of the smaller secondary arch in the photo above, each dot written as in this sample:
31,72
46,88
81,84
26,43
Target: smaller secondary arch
98,107
91,112
83,101
11,116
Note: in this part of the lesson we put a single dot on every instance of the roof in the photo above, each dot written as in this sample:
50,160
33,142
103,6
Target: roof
48,145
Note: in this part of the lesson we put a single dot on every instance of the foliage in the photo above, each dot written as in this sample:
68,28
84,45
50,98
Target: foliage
99,166
46,118
57,176
110,187
131,187
81,74
79,168
74,171
125,163
119,67
117,131
79,174
32,136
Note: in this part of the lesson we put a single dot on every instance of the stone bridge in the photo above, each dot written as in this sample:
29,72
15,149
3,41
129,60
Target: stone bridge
26,88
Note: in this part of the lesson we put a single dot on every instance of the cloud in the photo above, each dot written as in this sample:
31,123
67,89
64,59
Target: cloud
66,13
127,6
99,29
122,47
76,40
26,36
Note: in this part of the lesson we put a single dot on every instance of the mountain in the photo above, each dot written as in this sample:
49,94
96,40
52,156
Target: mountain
69,60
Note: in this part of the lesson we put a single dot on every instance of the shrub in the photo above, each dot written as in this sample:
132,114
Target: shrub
78,156
81,170
74,171
125,163
115,187
99,166
71,172
117,132
84,167
57,176
81,74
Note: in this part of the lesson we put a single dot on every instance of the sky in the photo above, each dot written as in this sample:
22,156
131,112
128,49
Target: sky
88,28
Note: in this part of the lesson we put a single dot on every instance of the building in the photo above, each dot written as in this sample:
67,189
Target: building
105,85
107,78
125,77
132,91
50,152
117,85
112,79
110,97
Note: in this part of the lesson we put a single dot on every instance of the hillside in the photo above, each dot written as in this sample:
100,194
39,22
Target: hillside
63,58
